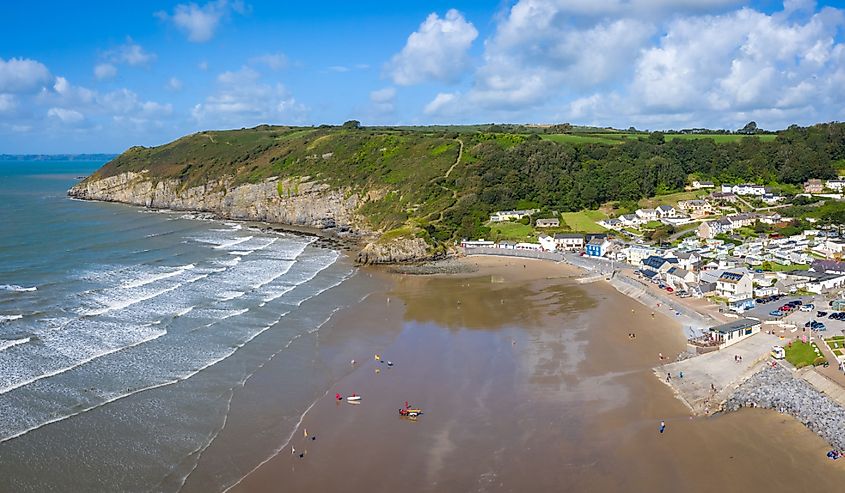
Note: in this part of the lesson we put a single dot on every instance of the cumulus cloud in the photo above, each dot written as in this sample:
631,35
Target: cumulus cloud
658,62
129,53
65,115
104,71
22,75
200,22
437,51
8,103
243,99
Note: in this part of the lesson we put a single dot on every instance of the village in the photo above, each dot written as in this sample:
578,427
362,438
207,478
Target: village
752,283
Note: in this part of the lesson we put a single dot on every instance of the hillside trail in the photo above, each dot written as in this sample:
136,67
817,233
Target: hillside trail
449,172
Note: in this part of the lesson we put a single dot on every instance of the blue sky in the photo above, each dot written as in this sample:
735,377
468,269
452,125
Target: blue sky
102,76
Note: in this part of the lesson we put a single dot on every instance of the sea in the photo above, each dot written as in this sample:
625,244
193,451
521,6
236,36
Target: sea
127,336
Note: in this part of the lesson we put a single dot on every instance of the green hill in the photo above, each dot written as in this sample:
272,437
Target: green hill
415,183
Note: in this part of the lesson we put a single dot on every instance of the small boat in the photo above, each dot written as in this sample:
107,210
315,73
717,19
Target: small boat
389,363
353,398
413,413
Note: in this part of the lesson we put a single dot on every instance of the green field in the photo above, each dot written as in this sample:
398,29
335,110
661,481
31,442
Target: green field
584,221
611,137
581,139
801,354
670,199
511,231
775,267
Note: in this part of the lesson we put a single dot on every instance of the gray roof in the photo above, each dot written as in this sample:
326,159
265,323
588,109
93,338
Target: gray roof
560,236
677,271
736,325
665,207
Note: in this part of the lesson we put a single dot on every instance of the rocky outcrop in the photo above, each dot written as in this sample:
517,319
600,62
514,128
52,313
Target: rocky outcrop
776,388
293,201
395,251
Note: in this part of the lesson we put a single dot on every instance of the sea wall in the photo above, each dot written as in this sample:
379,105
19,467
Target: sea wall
776,388
293,201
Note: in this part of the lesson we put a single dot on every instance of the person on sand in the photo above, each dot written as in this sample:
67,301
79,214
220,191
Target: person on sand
680,374
662,426
660,355
668,377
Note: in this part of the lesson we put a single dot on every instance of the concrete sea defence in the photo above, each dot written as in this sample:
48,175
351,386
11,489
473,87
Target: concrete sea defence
776,388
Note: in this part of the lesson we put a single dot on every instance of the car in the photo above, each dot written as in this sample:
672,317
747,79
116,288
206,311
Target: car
821,314
806,308
821,327
669,289
776,313
661,285
759,301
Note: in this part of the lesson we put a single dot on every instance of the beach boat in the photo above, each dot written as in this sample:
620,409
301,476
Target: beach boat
413,413
353,398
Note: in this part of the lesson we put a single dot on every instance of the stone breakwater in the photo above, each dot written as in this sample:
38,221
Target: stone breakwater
777,389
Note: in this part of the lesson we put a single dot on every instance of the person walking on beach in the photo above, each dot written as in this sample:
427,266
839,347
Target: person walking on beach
668,377
662,426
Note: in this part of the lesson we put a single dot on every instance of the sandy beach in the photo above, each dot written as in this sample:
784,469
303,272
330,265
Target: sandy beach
527,380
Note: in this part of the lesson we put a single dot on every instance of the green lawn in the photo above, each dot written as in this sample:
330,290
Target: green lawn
719,138
836,343
511,231
775,267
584,221
801,354
580,139
670,199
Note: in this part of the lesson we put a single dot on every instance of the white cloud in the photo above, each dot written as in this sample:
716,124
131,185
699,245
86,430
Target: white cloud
243,99
200,22
104,71
129,53
8,103
174,84
65,115
22,75
440,104
203,65
437,51
275,61
657,63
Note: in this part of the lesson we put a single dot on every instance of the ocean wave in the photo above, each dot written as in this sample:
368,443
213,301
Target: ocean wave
16,288
234,242
76,364
9,318
230,295
7,343
241,253
156,277
234,313
229,263
124,303
185,311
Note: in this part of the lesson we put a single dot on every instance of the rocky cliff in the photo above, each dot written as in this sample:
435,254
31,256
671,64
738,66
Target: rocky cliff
291,201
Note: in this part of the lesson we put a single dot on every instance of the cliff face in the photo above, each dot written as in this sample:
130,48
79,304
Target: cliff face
291,201
294,201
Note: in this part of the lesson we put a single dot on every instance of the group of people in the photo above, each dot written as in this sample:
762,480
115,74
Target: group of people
737,358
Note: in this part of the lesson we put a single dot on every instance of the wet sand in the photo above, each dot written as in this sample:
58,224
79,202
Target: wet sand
528,381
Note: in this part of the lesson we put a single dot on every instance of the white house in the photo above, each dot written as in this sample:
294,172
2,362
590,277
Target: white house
687,260
697,185
745,189
630,220
732,332
695,207
680,278
476,243
638,253
548,223
837,184
665,211
646,215
536,247
611,223
569,241
735,286
548,243
502,216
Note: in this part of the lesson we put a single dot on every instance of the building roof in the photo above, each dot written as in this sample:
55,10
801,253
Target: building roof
665,208
828,265
679,272
596,241
735,326
731,277
561,236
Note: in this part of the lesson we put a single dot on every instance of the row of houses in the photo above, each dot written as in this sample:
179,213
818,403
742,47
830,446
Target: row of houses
513,215
814,185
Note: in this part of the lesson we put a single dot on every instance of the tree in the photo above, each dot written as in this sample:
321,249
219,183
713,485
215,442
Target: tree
750,128
352,124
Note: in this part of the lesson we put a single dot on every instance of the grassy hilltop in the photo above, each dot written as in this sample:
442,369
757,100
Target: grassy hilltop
441,182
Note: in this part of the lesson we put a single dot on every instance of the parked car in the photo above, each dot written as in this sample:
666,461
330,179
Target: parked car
776,313
821,314
669,289
806,308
